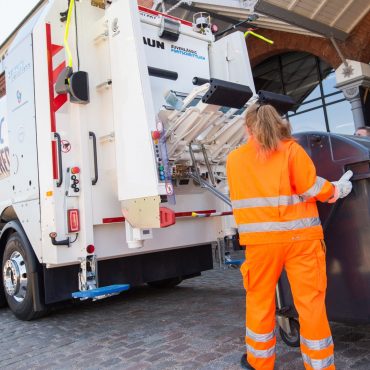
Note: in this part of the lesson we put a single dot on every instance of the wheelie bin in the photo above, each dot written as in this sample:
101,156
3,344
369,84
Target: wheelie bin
347,233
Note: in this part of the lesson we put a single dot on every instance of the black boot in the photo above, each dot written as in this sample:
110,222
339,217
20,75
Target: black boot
244,363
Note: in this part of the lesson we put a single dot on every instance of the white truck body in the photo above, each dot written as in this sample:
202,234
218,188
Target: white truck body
115,46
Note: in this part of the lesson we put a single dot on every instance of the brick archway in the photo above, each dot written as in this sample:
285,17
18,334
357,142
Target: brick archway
356,47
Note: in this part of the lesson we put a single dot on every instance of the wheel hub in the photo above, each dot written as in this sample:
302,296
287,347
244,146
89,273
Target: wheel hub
15,277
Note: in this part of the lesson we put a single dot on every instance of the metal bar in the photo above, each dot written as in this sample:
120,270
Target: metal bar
163,73
214,191
298,20
341,56
194,162
199,81
208,165
60,163
322,94
96,177
319,106
214,214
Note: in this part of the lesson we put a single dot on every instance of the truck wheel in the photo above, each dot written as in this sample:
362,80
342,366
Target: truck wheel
166,283
18,287
292,340
2,294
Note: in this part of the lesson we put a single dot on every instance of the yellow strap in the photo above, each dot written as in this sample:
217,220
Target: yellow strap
66,32
258,36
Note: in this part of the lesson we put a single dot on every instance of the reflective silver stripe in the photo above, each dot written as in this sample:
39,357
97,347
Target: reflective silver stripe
279,226
317,345
315,188
318,364
261,353
282,200
260,337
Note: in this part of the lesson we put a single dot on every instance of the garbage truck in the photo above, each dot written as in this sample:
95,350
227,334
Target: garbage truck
116,121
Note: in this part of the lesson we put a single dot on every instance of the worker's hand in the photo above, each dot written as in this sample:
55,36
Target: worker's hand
342,187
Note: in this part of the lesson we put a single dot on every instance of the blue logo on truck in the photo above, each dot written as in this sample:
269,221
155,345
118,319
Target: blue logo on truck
186,52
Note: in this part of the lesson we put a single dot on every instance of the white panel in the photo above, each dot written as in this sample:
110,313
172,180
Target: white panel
29,216
230,61
134,116
174,56
110,239
22,137
5,189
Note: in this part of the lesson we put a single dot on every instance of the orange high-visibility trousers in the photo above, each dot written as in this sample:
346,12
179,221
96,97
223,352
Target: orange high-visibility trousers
304,262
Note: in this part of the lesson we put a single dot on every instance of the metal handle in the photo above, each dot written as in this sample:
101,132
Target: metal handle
199,81
60,163
96,177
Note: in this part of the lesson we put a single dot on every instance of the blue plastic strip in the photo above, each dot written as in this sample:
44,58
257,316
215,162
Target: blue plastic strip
110,289
234,262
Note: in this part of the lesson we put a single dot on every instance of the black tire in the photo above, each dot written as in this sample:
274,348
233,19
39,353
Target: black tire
292,340
22,308
3,302
166,283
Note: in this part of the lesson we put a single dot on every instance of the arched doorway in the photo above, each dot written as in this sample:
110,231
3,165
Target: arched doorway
310,81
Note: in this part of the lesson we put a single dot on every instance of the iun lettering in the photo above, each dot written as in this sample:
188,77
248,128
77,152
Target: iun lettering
154,43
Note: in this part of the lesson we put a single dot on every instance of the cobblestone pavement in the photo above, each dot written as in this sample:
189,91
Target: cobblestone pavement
198,325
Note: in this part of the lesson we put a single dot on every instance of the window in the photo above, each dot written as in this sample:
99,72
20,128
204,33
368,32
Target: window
311,82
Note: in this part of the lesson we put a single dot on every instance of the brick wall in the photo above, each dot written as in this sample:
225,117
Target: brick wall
146,3
356,47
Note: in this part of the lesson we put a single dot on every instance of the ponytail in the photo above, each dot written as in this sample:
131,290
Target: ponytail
267,127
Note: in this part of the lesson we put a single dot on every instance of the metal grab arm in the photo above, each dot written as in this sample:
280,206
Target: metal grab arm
217,193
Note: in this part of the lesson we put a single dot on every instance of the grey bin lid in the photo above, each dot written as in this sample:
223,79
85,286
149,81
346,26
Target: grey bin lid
334,154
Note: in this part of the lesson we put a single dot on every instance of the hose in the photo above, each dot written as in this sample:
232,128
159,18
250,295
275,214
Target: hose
258,36
66,33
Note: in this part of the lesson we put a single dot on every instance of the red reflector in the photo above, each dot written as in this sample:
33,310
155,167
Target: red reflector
75,170
167,217
90,249
73,220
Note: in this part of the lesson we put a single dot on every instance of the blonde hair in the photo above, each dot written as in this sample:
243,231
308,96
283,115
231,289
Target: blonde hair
267,127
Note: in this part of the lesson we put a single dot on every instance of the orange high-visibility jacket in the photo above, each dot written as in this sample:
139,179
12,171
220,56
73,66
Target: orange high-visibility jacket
274,199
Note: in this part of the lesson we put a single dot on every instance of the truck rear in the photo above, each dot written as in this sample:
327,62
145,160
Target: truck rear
115,125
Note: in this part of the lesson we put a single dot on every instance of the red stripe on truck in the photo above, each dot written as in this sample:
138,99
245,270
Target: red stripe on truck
112,220
54,102
154,12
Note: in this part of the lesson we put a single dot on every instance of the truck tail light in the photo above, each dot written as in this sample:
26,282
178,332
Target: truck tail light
167,217
73,220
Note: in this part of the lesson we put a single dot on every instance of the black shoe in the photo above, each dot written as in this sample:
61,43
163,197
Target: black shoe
244,363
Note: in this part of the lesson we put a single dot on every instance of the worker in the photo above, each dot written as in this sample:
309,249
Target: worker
274,188
362,131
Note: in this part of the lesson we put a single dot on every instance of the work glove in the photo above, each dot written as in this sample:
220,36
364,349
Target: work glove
342,187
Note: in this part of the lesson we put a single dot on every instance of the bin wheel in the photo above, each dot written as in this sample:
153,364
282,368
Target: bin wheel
166,283
292,340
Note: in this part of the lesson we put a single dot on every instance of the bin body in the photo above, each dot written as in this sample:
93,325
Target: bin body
346,226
